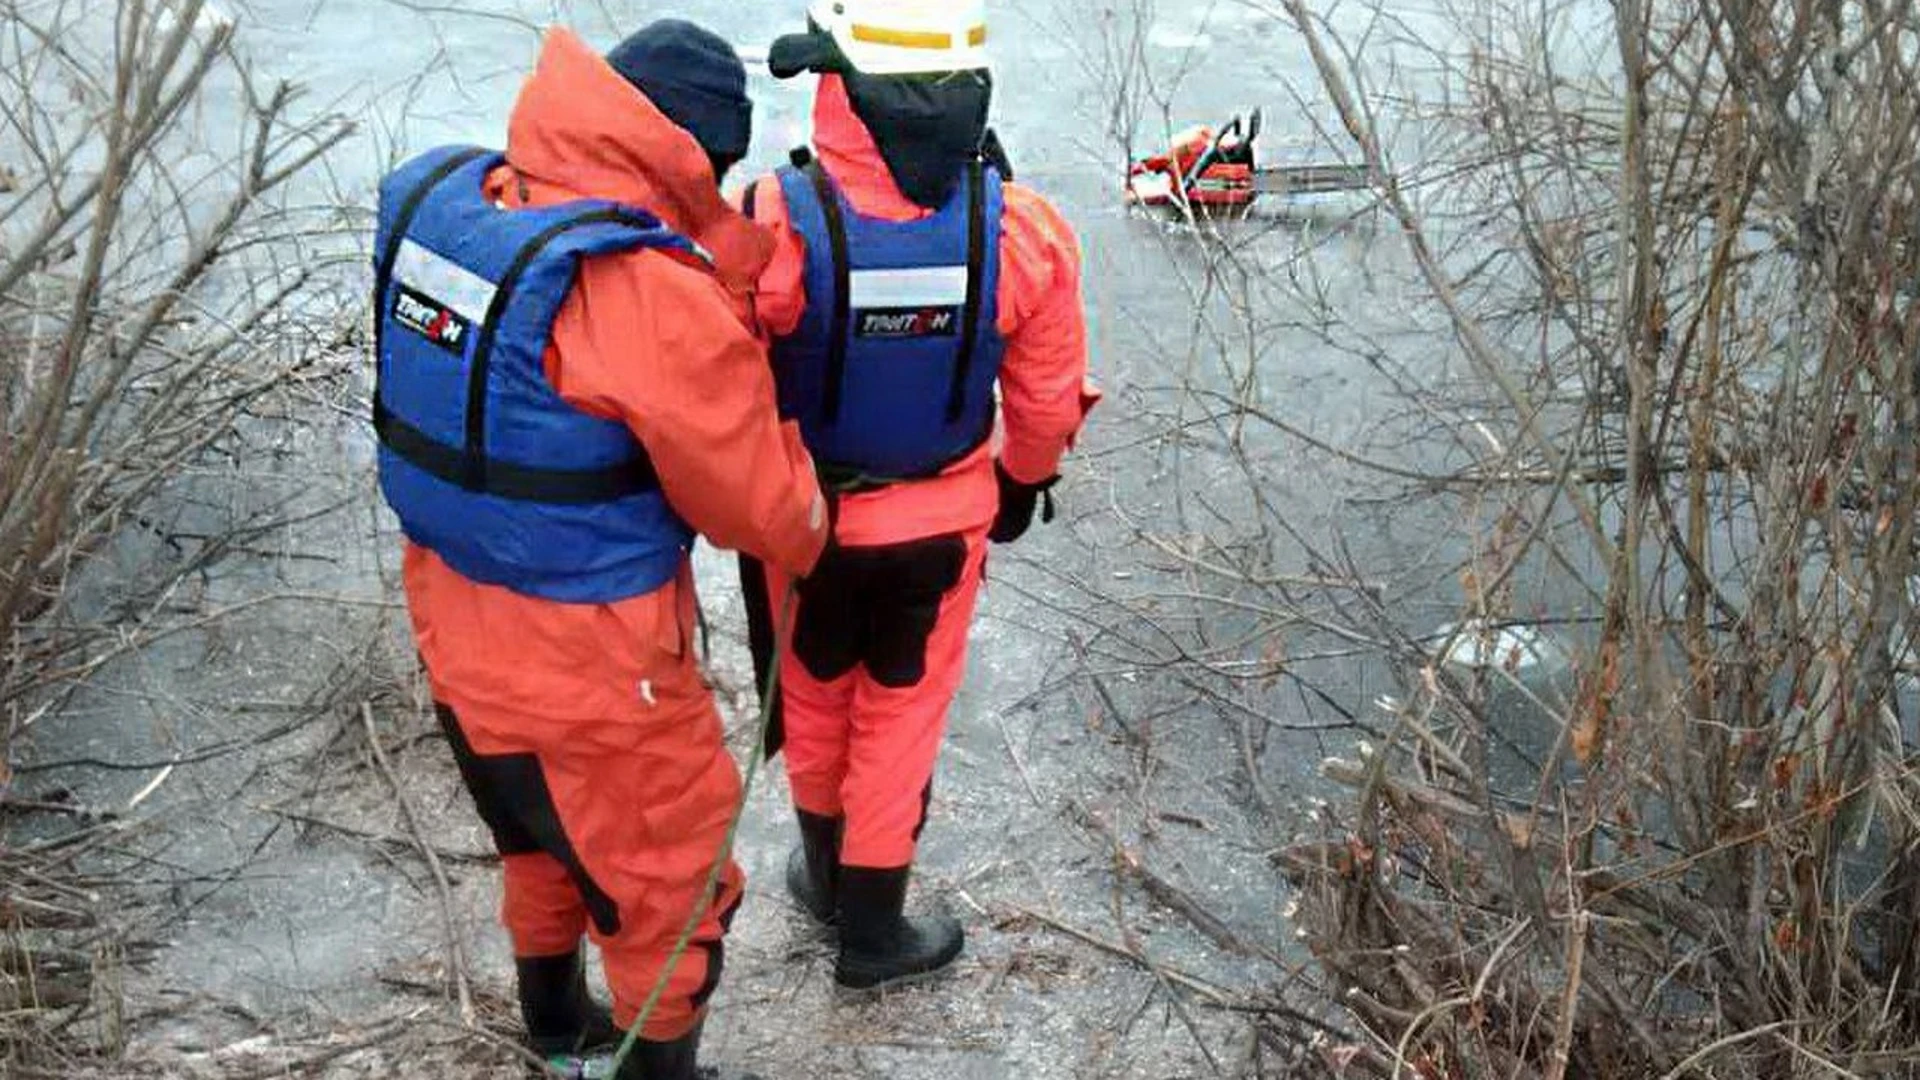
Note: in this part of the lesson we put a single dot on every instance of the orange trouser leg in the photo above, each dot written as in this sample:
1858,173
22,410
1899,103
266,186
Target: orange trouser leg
634,961
650,825
815,714
875,658
540,907
818,720
897,731
629,811
648,822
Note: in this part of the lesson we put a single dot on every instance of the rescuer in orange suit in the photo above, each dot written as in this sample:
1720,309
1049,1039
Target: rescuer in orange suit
567,393
909,281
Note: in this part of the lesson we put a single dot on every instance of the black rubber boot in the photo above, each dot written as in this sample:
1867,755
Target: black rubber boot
878,944
561,1016
674,1060
813,868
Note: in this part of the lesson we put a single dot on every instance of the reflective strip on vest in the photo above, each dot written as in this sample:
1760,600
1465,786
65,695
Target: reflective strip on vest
467,293
916,287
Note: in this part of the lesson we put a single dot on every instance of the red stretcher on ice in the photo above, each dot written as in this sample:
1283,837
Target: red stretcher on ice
1215,170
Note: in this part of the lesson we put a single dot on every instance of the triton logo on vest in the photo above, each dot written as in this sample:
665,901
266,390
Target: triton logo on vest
430,319
907,322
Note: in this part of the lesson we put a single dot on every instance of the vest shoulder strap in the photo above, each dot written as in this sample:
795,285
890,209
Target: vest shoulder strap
837,326
976,274
995,154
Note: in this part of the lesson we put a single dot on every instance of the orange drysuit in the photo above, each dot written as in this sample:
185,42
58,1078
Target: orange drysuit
586,731
868,681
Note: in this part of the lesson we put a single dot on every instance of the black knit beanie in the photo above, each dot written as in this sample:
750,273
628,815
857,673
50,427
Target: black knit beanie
696,79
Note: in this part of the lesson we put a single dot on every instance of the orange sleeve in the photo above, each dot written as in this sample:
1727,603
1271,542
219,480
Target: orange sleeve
1045,388
656,344
780,294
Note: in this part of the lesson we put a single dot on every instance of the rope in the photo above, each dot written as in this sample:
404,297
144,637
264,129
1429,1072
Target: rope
770,680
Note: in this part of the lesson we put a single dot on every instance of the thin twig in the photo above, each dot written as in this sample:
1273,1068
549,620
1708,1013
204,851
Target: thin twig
456,945
1570,1001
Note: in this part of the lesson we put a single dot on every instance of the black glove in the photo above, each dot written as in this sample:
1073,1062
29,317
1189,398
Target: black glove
1016,505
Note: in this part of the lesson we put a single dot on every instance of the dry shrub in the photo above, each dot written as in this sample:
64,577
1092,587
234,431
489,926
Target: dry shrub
151,302
1697,330
1641,361
156,340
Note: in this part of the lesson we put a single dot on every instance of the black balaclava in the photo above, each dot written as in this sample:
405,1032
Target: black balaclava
927,126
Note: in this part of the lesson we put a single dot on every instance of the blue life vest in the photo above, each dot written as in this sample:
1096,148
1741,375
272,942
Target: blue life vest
890,372
481,459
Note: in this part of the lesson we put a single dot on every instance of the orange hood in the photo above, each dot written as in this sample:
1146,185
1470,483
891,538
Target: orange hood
852,157
579,130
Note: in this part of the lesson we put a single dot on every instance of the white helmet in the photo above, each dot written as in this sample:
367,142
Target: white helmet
905,37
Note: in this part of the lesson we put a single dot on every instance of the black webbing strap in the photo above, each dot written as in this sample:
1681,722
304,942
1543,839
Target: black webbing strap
383,270
970,318
557,487
854,480
842,300
995,154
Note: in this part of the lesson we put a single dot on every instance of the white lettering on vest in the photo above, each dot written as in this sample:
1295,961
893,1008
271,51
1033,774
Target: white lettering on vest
906,322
